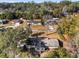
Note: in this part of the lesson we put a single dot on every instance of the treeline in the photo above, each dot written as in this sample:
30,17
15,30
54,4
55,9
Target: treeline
32,10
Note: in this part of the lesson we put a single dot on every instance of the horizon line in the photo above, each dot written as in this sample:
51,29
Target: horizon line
32,1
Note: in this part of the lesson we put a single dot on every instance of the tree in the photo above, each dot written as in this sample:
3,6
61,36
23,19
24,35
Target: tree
57,53
66,26
62,52
66,2
9,41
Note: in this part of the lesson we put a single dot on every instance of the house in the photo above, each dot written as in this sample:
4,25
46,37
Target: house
17,21
52,21
46,17
37,45
52,24
3,21
34,22
52,28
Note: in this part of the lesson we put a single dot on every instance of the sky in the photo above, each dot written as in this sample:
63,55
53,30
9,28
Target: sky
37,1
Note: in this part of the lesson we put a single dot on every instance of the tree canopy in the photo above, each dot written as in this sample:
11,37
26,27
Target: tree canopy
34,10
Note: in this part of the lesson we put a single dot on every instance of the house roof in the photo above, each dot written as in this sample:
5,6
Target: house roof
37,19
46,41
16,20
38,27
53,19
51,42
1,20
33,21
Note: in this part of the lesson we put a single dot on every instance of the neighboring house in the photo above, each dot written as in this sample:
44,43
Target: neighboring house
51,24
17,24
46,17
52,21
17,21
34,22
3,21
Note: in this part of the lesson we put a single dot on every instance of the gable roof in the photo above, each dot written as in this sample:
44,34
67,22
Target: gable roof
46,41
51,42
